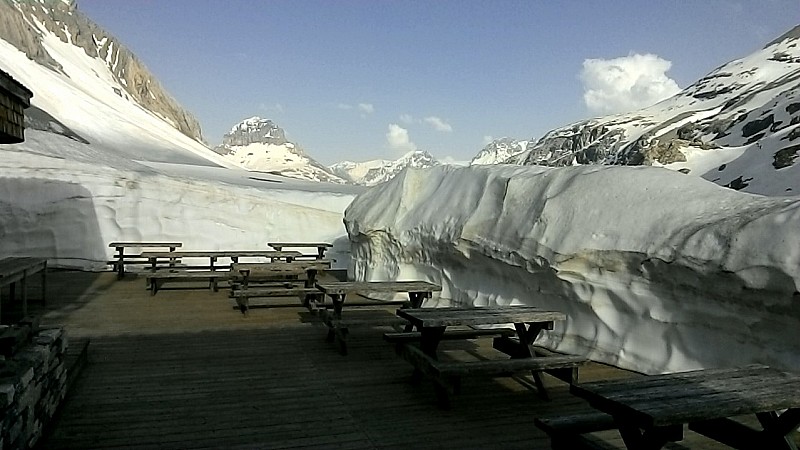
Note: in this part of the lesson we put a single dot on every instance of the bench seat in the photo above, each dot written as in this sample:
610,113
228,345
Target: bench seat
157,277
566,432
446,375
414,336
243,296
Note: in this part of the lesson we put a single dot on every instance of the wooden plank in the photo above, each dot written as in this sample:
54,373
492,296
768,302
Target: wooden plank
439,317
501,366
222,254
145,244
345,287
299,244
414,336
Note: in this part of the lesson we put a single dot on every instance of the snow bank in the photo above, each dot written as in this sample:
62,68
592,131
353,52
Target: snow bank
656,270
68,209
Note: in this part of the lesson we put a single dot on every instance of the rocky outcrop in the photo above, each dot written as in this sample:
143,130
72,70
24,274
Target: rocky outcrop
22,24
499,151
251,131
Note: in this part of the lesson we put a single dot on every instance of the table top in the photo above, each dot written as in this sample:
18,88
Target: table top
345,287
440,317
684,397
145,244
223,254
15,264
300,244
317,264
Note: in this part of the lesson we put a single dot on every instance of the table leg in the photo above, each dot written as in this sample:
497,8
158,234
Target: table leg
24,286
44,284
337,333
120,262
430,337
778,426
311,281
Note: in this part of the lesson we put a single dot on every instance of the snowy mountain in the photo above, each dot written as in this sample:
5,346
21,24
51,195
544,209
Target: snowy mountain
31,26
370,173
499,150
737,127
88,88
259,145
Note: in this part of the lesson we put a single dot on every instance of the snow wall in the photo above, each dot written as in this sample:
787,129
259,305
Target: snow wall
657,271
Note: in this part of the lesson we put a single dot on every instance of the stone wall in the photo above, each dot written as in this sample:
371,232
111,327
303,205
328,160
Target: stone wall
33,381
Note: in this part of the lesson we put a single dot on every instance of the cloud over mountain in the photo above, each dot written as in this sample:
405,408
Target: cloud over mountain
398,139
626,83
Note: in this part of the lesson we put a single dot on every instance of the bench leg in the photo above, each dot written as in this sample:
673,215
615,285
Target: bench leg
537,379
341,340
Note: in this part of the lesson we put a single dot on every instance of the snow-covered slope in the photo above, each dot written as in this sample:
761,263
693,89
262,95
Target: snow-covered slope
259,145
370,173
737,126
98,166
656,270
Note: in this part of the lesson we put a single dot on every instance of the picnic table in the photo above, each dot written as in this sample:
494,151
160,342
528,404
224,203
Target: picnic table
529,321
651,411
18,269
122,258
243,275
338,326
211,272
320,246
214,255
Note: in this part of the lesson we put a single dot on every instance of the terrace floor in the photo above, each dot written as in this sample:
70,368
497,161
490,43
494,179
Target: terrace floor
183,369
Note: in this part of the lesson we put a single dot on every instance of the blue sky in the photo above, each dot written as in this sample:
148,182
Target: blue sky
367,79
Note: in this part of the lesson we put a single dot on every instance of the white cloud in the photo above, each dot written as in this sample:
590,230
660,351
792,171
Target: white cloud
626,83
398,138
438,124
366,108
407,118
487,139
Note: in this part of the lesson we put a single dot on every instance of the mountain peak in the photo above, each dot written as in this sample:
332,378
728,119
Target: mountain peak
255,130
370,173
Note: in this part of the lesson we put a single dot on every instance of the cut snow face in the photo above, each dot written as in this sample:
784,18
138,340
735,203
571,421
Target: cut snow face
656,270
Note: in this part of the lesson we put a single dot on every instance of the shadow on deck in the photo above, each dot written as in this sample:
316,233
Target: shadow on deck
183,369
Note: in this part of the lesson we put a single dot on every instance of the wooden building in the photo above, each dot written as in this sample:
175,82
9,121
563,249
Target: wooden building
14,98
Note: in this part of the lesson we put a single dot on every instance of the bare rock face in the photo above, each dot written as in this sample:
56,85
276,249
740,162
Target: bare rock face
61,18
254,130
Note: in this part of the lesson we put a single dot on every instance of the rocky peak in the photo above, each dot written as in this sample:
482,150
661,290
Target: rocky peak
255,130
499,150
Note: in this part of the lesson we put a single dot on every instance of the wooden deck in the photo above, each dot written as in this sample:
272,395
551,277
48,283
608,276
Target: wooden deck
184,369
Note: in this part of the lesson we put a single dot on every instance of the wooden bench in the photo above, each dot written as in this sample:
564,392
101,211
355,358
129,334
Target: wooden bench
123,259
18,269
243,296
320,246
156,278
245,275
447,374
339,324
567,432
